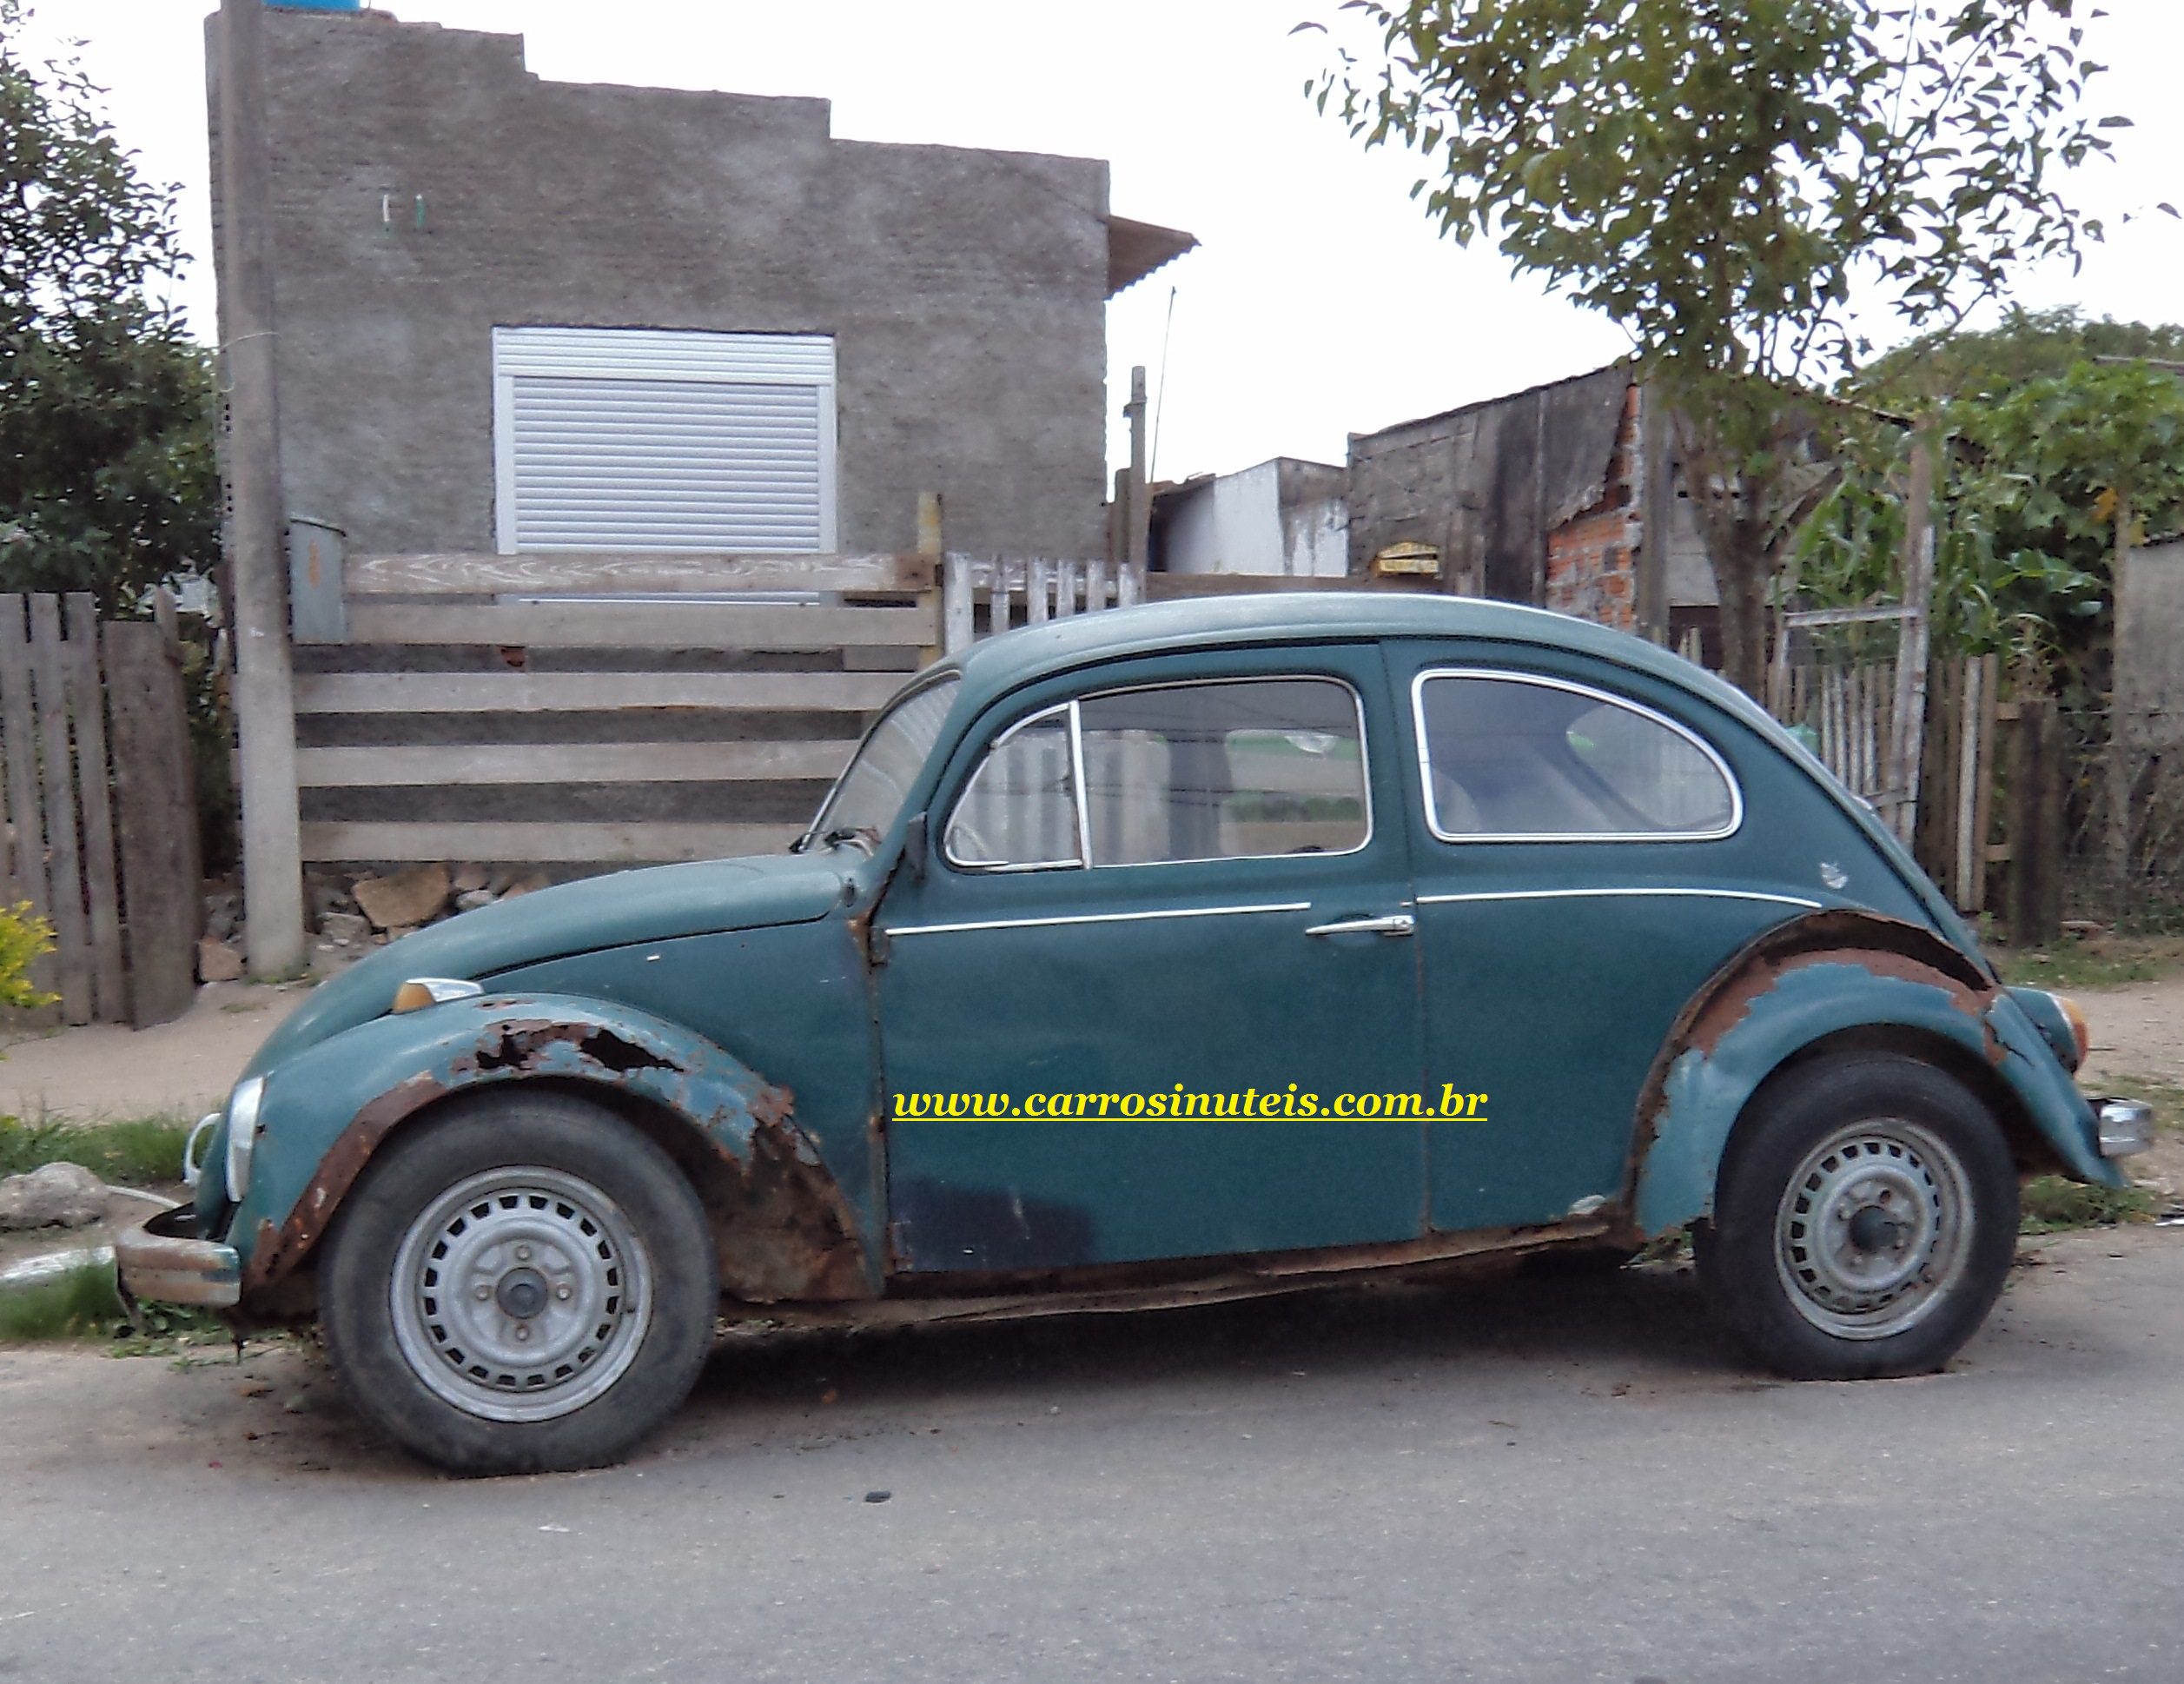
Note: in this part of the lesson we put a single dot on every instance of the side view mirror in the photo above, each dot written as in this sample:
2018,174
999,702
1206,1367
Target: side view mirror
914,846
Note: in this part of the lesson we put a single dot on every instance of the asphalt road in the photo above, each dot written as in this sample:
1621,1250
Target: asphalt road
1522,1480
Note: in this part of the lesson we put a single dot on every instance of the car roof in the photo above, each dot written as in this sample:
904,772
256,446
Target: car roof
998,665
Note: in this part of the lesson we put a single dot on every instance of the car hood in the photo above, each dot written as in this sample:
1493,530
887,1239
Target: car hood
704,898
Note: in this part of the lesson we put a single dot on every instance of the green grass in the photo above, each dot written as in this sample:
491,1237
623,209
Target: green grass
131,1152
80,1304
2050,1204
83,1304
2075,962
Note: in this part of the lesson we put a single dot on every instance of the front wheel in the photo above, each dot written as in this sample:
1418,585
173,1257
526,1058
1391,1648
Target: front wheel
524,1283
1864,1220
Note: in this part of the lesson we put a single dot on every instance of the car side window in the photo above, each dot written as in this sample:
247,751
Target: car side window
1227,769
1233,769
1522,758
1020,810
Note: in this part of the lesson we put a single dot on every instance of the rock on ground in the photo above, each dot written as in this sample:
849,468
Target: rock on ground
52,1195
406,899
350,929
217,961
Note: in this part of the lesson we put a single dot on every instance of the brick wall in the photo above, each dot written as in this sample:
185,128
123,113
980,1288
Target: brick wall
1592,559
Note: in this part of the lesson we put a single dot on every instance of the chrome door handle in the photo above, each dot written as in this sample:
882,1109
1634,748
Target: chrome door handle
1393,924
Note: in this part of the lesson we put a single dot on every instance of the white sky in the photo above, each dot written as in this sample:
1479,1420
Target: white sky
1320,303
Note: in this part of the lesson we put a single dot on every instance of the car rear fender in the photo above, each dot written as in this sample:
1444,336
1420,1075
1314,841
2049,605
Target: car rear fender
1840,972
783,1228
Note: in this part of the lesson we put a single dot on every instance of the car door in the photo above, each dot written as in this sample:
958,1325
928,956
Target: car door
1584,865
1164,922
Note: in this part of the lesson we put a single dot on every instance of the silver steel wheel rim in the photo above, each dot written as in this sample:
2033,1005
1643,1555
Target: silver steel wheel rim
521,1294
1875,1229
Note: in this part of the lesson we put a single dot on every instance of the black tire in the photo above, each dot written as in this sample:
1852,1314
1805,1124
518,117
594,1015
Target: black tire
1899,1236
602,1222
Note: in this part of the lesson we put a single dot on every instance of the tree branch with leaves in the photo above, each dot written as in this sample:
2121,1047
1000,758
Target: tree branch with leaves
1741,185
108,482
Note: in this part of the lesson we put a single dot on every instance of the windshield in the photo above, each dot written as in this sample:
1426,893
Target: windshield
866,798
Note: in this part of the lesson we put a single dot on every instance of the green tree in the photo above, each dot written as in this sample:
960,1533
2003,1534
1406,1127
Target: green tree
2048,476
108,482
1992,362
1733,181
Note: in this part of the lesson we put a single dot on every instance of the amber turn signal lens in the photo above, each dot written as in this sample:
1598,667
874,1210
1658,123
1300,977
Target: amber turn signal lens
421,991
2078,1025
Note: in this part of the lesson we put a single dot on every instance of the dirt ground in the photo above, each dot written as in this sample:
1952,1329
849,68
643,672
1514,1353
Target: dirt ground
2138,1031
183,1069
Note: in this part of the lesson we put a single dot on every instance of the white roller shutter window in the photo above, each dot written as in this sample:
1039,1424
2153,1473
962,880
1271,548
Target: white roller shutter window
632,439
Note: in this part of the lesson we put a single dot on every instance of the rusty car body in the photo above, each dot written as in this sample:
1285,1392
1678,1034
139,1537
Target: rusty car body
1336,843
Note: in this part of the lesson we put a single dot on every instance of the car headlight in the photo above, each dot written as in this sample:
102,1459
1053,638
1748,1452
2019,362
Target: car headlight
242,1134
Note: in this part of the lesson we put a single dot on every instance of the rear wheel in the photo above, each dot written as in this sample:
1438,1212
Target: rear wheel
1864,1220
524,1283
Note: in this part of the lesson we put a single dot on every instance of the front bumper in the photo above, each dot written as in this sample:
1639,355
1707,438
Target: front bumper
163,1259
2126,1126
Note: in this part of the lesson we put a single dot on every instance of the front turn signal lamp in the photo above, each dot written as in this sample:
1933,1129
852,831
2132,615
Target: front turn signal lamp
421,991
2079,1028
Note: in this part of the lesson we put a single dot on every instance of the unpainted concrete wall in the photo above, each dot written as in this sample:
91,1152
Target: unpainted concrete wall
966,289
1487,483
2149,648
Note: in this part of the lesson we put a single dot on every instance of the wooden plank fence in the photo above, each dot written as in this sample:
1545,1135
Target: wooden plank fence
605,709
101,823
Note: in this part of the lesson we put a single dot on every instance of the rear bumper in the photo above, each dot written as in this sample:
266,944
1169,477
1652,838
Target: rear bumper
163,1260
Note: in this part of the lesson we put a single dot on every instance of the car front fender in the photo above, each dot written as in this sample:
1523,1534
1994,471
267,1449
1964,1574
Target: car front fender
1800,987
783,1229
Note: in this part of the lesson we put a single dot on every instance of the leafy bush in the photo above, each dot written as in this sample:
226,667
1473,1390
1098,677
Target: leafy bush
24,937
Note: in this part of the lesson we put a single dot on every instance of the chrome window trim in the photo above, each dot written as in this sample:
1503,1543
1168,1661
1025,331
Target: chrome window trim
1074,708
919,685
1509,676
1093,917
992,868
1632,892
1365,766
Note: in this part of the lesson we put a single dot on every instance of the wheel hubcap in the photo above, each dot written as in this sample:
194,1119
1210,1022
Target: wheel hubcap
1873,1229
520,1295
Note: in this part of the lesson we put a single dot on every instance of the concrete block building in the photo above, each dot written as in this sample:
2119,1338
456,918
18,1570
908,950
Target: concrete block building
523,314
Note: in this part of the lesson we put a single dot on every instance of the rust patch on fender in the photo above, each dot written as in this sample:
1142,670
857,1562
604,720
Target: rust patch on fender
1880,945
781,1228
278,1250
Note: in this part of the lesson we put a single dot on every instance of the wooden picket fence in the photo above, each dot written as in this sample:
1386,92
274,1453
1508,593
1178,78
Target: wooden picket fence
1851,709
1043,590
101,815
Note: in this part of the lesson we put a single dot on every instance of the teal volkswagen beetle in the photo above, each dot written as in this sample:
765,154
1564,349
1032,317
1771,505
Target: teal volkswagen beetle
1157,957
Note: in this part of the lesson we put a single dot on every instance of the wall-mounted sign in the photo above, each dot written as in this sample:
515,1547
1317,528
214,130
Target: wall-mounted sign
1408,558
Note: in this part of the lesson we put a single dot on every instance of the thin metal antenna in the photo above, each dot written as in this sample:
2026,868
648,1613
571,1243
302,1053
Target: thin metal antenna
1160,393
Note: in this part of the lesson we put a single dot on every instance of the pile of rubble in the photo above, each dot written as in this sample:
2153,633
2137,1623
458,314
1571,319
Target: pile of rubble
352,916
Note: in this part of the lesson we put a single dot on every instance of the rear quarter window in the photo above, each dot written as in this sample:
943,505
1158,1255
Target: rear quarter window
1508,756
